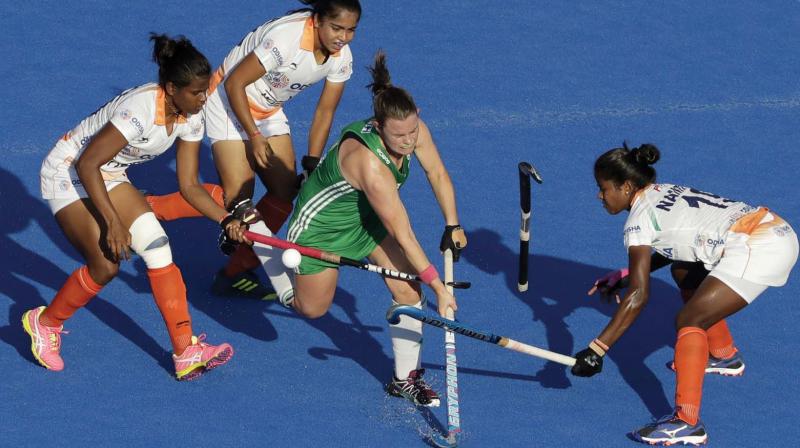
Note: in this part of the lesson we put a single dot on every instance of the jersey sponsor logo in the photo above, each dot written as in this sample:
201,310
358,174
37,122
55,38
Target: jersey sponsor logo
715,242
116,164
670,197
367,129
632,229
131,151
276,54
383,157
298,86
135,121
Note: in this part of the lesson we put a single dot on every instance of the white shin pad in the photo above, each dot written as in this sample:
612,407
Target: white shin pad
406,343
270,258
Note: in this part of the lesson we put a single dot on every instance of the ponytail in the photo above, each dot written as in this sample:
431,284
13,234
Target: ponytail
179,62
388,101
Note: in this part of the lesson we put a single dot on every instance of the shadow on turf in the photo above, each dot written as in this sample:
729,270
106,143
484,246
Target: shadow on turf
18,280
552,299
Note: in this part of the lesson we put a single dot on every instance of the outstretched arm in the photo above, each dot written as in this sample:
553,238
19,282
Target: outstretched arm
437,174
366,173
188,166
453,237
589,361
636,297
323,117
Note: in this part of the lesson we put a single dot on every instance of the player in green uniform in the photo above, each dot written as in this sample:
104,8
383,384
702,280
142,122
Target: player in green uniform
350,206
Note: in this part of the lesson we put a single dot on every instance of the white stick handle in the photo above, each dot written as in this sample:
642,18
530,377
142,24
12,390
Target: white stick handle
536,351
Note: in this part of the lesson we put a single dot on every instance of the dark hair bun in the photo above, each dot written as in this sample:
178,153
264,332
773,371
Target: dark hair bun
647,154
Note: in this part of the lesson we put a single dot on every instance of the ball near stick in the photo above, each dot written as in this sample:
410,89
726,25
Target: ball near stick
291,258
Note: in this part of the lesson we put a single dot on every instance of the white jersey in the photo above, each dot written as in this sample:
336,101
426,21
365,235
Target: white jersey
139,115
285,48
682,223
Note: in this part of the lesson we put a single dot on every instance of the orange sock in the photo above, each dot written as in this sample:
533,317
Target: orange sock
275,212
720,341
173,206
691,356
170,294
77,291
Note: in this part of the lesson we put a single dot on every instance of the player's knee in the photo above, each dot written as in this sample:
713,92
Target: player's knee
149,240
692,318
310,311
102,271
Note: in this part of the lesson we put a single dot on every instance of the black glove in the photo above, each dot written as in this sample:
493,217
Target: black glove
454,239
309,164
245,212
587,363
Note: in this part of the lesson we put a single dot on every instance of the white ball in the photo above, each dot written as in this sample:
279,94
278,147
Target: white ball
291,258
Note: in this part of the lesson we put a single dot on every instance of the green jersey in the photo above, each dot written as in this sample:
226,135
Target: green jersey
333,216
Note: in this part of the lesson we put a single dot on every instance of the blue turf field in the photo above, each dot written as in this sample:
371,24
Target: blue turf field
713,84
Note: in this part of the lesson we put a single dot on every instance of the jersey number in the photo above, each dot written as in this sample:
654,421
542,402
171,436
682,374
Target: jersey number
706,198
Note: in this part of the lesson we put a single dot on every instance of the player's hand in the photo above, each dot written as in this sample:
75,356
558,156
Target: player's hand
453,238
261,150
233,226
445,300
235,231
587,363
309,164
610,284
118,240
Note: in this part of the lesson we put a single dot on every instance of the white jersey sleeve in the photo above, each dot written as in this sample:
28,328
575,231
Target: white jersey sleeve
343,66
277,46
194,129
638,231
132,117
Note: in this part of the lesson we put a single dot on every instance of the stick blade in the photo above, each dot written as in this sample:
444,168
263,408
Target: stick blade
444,441
530,170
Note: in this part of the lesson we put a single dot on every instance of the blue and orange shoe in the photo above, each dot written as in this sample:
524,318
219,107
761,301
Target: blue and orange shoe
733,366
671,430
199,358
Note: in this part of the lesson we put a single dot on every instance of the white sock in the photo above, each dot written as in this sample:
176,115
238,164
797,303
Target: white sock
406,344
270,258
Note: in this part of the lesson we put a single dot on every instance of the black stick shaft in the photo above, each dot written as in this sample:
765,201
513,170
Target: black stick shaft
525,170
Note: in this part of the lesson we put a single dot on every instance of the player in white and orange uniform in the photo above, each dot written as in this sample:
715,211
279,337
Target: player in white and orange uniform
745,250
103,215
250,133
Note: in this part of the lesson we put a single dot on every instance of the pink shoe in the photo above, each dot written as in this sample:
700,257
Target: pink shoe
45,341
199,358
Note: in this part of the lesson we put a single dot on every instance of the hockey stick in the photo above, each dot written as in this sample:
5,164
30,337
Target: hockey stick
451,371
341,261
393,316
526,172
